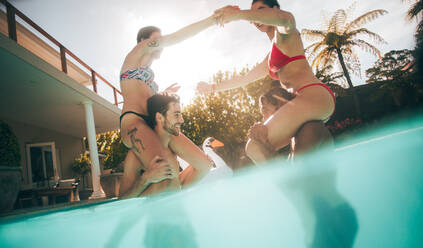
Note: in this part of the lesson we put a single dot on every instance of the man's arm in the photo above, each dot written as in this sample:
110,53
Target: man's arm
188,151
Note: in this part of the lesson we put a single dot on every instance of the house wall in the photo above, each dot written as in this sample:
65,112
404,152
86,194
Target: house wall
69,147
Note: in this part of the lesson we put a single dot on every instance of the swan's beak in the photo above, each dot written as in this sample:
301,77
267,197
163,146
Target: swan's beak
216,143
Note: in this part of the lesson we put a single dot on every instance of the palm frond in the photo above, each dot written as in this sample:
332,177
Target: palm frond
320,50
353,63
364,45
312,35
365,18
332,23
351,9
347,49
363,31
326,20
414,10
316,48
317,59
323,58
307,49
340,19
351,56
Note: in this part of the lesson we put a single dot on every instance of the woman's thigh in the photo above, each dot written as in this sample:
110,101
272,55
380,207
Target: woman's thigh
314,103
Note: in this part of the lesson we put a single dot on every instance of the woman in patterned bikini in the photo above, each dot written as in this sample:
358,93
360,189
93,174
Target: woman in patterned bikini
137,84
285,62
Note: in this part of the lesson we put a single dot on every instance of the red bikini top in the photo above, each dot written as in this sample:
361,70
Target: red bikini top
278,59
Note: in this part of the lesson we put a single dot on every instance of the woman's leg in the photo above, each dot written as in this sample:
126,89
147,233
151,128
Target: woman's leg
314,103
257,152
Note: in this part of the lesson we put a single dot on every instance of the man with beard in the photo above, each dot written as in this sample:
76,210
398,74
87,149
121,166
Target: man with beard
165,118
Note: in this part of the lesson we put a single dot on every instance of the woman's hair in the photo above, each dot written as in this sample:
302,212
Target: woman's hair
146,32
270,3
159,104
276,91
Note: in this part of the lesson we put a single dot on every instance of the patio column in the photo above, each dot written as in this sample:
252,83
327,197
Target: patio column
92,143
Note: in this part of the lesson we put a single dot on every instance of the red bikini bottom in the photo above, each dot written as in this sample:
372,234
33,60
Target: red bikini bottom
327,88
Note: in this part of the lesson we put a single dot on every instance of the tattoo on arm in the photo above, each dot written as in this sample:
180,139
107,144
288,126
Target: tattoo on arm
135,140
153,43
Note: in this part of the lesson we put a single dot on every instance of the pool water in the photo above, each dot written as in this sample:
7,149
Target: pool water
368,193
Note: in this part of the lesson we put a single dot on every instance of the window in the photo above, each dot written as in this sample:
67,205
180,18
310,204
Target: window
42,169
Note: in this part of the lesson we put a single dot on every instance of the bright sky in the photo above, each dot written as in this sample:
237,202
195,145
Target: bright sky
102,32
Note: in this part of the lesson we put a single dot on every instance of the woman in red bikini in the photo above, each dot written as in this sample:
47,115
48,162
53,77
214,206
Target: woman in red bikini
285,62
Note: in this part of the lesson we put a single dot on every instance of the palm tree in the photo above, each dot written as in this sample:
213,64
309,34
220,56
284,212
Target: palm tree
326,75
338,39
415,12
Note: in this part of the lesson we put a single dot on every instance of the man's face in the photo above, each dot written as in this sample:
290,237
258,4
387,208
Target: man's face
173,119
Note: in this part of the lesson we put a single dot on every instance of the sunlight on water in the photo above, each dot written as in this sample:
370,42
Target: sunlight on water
369,193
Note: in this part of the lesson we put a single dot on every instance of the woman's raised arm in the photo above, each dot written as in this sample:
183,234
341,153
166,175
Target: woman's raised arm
180,35
258,72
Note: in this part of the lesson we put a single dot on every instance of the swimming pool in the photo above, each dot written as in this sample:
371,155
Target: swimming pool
368,193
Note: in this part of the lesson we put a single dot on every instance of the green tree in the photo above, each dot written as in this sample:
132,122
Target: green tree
326,75
226,116
335,80
110,144
338,40
415,12
10,153
394,64
81,166
398,82
116,153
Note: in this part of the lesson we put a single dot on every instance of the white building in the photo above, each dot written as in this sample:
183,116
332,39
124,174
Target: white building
48,98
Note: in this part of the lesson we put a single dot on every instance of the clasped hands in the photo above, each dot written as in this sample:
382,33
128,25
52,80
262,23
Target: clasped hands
158,171
226,14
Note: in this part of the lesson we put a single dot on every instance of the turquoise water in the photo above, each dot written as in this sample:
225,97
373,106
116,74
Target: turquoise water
368,193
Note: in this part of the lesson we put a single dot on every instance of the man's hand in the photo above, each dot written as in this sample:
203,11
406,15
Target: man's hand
158,171
258,132
172,89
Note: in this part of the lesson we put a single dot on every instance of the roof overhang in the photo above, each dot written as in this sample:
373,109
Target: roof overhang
34,92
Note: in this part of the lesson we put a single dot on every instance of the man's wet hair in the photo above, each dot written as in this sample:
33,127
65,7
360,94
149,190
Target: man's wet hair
159,103
276,90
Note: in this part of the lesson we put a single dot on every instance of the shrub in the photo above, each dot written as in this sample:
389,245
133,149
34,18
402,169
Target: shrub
116,155
82,165
347,125
9,147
